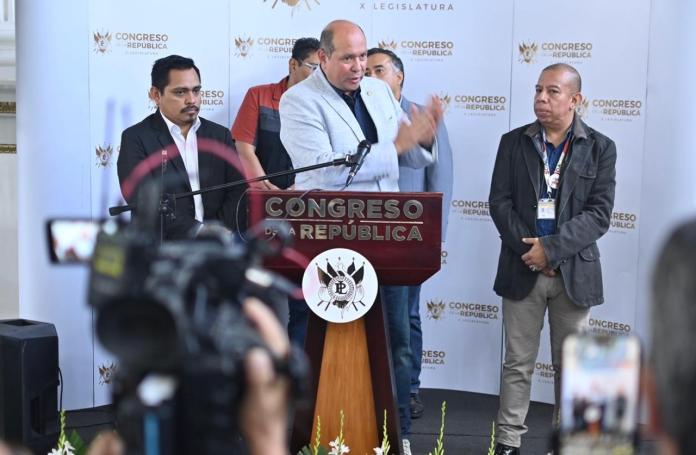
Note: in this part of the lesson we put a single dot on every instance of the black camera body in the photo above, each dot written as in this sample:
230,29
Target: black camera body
172,316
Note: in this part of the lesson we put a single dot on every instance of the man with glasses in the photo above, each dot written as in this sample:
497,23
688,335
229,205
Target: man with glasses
385,65
256,130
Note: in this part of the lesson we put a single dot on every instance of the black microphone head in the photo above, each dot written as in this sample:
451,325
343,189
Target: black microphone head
363,149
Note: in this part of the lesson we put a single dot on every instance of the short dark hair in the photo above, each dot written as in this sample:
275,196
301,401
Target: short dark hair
577,80
673,316
162,67
303,47
396,61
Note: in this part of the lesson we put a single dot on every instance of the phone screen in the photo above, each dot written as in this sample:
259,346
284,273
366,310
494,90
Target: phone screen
71,241
600,388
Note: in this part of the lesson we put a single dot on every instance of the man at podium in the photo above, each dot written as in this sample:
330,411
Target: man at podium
325,117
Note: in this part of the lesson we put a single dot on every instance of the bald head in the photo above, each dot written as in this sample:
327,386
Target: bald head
337,27
343,54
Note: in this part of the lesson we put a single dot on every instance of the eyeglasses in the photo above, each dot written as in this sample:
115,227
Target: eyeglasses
311,66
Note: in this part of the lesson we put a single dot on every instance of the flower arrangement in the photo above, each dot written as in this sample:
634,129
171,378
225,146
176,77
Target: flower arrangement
338,446
68,444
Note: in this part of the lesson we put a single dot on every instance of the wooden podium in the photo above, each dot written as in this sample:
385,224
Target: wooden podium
400,234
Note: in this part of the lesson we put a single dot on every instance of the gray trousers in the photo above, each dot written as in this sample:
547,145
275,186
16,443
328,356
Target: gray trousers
523,321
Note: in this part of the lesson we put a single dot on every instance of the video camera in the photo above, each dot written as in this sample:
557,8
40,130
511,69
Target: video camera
171,314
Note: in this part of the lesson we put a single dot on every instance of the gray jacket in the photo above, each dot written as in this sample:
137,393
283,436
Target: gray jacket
584,205
436,177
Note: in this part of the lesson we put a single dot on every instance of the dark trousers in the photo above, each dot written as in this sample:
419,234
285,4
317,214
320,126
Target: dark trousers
395,301
413,293
298,314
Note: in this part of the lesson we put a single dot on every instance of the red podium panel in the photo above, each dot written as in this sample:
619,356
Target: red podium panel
400,233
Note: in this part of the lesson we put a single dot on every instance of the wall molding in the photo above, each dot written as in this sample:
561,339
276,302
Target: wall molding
8,149
8,107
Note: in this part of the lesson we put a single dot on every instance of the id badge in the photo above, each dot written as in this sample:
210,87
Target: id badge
546,210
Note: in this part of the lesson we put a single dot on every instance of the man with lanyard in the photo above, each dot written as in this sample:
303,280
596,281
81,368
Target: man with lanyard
551,199
552,157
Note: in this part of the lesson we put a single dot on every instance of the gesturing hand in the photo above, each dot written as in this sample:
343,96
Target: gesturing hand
422,127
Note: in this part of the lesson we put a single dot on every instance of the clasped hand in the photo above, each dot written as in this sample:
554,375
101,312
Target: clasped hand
422,127
535,258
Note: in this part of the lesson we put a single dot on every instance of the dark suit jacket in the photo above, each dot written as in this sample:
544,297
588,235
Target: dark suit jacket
150,136
584,204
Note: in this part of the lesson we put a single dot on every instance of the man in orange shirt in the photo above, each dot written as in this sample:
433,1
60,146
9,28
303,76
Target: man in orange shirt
256,130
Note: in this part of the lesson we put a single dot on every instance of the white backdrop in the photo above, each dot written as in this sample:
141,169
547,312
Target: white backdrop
481,58
614,68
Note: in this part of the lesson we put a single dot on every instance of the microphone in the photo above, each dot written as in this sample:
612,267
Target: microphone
363,149
165,157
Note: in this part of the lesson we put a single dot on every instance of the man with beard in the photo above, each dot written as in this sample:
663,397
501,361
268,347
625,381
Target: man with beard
176,90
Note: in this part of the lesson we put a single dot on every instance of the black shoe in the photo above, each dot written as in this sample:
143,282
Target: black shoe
416,406
502,449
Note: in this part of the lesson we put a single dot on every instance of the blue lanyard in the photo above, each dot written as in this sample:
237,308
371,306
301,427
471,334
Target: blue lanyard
553,181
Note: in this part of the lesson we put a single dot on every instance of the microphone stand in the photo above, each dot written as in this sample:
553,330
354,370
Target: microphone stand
162,209
169,199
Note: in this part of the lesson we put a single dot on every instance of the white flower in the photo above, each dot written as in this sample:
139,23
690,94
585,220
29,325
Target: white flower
378,451
63,449
68,449
337,448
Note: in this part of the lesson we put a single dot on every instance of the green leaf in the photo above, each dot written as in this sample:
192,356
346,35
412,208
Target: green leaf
439,447
77,443
491,447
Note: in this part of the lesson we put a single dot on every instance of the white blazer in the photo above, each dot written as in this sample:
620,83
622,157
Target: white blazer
316,125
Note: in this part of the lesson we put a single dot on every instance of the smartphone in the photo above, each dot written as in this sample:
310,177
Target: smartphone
71,240
600,395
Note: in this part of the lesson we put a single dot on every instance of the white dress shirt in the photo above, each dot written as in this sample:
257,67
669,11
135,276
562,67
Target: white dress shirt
188,148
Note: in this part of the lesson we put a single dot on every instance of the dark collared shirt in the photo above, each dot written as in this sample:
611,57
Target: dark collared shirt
258,123
357,107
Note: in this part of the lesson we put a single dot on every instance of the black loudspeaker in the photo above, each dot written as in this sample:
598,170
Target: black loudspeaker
29,384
